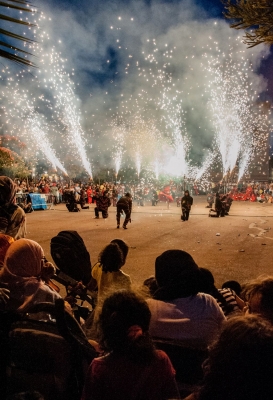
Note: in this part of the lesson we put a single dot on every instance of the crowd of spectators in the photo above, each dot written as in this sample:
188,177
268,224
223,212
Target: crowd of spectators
85,192
179,304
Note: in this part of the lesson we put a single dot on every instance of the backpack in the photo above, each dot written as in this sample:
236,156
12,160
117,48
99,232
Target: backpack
71,256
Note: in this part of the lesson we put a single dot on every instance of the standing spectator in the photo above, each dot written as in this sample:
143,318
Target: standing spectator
54,193
89,193
114,196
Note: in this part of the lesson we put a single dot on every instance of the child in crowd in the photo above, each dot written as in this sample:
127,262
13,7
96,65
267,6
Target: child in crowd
131,368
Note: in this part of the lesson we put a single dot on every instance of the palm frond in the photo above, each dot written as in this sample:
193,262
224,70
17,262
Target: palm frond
10,5
254,16
19,5
15,58
15,48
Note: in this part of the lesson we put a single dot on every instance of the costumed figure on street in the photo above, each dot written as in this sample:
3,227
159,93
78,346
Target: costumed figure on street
71,204
186,203
103,202
124,205
219,210
83,199
165,194
210,200
154,197
226,203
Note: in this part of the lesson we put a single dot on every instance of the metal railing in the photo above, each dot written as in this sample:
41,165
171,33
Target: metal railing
40,201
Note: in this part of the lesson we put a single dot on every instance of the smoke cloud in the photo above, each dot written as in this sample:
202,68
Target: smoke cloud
138,73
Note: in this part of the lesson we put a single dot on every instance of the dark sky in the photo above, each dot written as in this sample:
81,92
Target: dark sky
130,72
213,9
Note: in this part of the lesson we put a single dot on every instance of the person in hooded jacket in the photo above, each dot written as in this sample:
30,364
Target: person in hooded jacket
12,217
186,203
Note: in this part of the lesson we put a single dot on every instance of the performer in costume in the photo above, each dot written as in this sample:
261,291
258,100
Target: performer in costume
124,204
186,203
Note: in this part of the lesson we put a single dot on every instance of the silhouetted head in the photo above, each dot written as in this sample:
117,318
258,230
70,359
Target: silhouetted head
177,275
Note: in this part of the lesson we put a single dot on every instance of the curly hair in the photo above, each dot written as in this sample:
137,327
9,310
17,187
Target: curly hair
123,247
121,311
240,363
263,287
111,258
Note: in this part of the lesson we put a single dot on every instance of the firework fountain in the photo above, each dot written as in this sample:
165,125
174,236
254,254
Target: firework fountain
66,106
232,103
150,123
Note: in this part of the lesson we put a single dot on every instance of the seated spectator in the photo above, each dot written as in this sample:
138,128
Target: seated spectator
240,363
258,294
226,298
24,265
131,368
5,242
106,278
12,217
123,247
233,285
26,204
29,395
179,312
107,272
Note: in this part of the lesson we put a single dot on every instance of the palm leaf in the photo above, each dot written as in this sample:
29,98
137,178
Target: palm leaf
11,53
254,16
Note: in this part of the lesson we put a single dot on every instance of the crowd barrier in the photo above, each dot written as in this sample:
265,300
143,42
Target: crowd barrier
40,201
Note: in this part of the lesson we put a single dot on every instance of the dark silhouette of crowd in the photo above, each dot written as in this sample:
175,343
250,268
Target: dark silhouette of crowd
176,336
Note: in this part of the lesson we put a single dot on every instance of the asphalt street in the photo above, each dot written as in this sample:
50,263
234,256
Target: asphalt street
238,246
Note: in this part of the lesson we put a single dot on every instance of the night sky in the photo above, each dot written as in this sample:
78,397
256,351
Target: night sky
213,9
118,60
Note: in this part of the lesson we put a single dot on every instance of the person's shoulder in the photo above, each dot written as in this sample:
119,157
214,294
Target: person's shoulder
210,303
100,360
205,297
17,211
163,359
124,276
96,269
161,355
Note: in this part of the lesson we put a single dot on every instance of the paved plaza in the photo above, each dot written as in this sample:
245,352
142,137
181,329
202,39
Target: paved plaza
239,246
